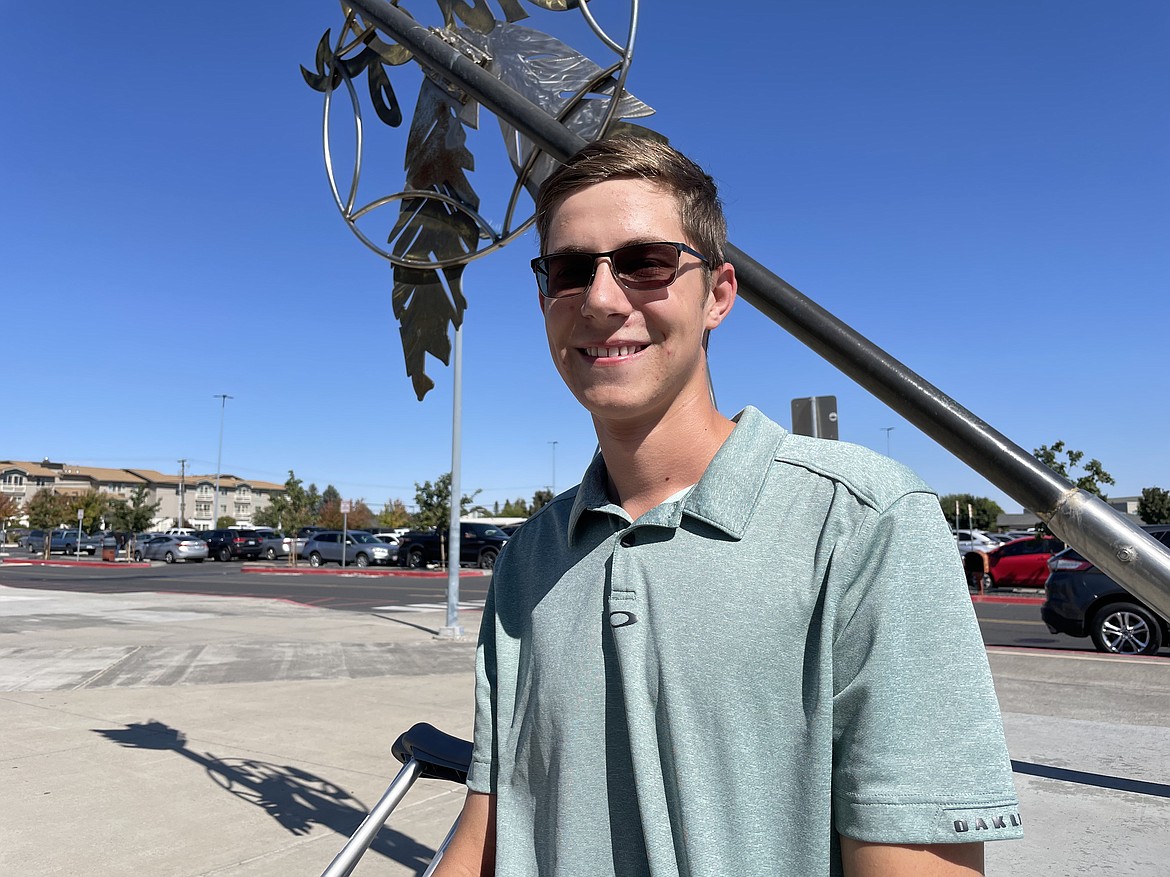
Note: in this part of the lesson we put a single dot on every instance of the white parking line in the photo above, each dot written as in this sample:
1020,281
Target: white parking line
429,607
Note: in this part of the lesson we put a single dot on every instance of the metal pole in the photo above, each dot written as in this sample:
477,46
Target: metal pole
1123,550
887,430
452,628
223,397
182,480
554,481
80,518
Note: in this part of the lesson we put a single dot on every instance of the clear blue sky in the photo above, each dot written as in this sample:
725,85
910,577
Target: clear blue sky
982,188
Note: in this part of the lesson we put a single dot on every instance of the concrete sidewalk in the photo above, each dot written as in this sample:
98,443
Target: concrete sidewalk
167,734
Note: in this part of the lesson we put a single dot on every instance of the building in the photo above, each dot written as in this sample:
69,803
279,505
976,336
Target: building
194,494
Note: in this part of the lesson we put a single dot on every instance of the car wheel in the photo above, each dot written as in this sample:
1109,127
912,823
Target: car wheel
414,558
361,561
225,554
316,559
1126,629
270,554
169,557
487,558
138,557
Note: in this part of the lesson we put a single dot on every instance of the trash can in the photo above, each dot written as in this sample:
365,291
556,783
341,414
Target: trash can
109,549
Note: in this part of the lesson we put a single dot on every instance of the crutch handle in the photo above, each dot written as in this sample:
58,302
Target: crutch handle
441,756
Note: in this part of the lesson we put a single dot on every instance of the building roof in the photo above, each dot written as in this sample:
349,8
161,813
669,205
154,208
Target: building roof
139,477
27,468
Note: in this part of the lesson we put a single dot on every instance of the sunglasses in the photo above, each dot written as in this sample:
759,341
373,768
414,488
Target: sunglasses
637,266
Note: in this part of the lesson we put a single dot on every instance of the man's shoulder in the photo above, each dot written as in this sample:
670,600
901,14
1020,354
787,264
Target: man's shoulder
875,480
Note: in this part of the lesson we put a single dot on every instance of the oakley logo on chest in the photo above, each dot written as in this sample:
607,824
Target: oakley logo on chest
622,619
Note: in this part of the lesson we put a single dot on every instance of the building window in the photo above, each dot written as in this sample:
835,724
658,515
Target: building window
14,478
243,491
204,490
203,510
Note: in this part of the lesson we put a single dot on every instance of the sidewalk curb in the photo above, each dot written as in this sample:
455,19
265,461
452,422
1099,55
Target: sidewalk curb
98,564
1005,598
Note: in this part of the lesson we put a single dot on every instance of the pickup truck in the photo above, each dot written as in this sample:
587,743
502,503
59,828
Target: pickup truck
479,545
64,541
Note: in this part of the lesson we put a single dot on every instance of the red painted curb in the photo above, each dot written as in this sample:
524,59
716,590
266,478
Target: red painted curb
98,564
354,571
1005,598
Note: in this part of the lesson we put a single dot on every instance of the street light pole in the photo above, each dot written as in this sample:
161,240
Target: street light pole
223,397
887,430
554,481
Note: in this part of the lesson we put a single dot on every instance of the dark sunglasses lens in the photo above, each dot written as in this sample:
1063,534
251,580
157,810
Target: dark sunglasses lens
646,266
568,273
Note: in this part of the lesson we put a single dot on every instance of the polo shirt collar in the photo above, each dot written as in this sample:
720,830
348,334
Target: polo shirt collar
725,496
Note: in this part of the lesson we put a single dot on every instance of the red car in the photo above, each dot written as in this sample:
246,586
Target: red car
1021,563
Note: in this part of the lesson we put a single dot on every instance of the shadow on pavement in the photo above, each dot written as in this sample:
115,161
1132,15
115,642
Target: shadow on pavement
1103,781
296,799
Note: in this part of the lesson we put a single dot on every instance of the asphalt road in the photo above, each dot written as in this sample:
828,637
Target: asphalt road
1005,620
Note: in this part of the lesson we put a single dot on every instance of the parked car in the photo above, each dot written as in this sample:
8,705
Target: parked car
1020,563
361,549
179,531
479,545
232,542
275,545
973,540
306,532
62,541
1081,600
170,548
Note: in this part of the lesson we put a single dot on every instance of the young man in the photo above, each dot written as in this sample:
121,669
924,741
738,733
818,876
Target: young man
730,650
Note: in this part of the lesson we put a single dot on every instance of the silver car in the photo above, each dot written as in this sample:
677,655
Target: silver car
277,545
361,549
172,548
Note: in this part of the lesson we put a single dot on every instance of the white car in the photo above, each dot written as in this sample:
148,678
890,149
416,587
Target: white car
974,540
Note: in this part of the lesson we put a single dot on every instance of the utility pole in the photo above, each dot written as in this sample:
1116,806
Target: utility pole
554,481
887,430
223,397
182,484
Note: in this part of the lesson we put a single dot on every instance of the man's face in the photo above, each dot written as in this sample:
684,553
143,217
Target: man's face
631,356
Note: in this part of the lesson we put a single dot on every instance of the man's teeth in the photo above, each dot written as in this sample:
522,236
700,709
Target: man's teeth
612,351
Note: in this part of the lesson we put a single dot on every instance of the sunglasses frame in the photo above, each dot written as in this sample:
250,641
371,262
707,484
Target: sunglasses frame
540,267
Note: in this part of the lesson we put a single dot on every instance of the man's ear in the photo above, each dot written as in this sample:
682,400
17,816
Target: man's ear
722,295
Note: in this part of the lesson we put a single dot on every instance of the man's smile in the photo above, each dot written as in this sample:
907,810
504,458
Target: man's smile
613,352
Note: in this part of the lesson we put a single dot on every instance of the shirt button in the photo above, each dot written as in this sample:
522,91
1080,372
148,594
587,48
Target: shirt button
628,540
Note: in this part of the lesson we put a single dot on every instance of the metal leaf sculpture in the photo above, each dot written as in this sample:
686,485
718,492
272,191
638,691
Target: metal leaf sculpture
439,228
431,230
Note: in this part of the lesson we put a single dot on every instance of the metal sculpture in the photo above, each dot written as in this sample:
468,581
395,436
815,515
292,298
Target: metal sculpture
439,227
1121,549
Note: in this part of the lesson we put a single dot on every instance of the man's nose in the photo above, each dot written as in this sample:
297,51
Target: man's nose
605,294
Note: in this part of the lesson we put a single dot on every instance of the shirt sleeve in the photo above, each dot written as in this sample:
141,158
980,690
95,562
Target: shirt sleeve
482,775
919,755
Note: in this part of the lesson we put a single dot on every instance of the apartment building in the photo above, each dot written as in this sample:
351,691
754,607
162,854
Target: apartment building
194,494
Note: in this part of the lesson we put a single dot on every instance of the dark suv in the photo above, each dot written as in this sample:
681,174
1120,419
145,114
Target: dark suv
1080,600
231,542
479,545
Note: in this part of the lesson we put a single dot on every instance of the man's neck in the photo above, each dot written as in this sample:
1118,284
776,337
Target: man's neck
647,463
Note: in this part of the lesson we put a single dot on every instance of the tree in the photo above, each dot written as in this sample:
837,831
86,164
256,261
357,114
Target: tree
394,515
224,521
1154,506
1094,473
9,510
95,506
136,515
985,511
288,511
47,510
434,503
515,508
540,498
313,498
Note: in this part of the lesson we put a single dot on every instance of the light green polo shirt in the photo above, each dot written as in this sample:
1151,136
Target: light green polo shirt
721,686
